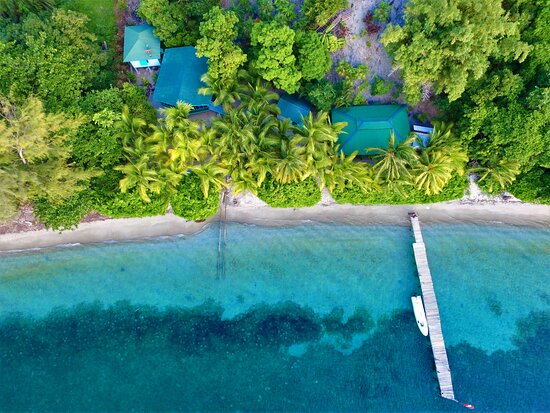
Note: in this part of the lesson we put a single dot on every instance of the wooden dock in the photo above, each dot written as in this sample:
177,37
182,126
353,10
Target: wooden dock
432,312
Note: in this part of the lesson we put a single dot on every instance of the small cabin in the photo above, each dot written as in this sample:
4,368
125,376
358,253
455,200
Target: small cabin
370,126
179,79
141,46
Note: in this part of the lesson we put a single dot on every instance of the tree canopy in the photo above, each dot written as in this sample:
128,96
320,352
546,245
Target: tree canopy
34,155
54,58
446,44
217,43
273,55
176,22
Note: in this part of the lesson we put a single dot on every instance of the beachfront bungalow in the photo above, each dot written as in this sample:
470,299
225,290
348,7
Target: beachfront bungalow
370,126
180,80
141,46
293,108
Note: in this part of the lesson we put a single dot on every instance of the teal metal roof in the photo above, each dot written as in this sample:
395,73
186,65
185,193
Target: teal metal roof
180,78
293,108
140,43
370,126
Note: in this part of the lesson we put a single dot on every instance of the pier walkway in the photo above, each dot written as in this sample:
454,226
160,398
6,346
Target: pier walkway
432,312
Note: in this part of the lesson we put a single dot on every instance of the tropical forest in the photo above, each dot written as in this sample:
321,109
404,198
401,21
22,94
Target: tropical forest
81,134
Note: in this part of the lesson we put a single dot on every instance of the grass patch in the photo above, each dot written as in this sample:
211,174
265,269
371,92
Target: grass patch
103,24
101,13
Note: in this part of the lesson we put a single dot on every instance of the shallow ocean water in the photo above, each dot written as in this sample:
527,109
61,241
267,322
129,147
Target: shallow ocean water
307,318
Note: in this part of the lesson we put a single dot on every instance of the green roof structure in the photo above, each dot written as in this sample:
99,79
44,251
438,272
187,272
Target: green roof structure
140,43
180,78
293,108
370,126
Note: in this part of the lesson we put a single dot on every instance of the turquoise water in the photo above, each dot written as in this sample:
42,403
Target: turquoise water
307,318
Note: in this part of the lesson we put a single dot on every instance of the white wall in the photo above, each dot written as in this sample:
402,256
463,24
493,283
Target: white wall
150,63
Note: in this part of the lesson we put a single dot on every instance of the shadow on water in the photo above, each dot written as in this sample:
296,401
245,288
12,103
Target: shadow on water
126,357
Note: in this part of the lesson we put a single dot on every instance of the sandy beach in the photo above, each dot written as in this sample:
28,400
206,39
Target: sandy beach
256,213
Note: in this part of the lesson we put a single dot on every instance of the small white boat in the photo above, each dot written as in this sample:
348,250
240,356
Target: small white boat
420,314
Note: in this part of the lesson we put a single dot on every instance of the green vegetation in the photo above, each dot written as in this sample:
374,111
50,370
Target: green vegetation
15,9
381,13
504,117
273,56
189,202
453,190
34,157
380,87
292,195
313,58
320,11
218,33
129,204
323,94
71,143
352,85
101,14
176,22
54,58
445,47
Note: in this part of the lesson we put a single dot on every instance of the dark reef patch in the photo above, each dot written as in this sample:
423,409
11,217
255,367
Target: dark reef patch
127,357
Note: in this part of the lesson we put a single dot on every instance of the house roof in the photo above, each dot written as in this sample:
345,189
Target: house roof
293,108
140,43
370,126
180,78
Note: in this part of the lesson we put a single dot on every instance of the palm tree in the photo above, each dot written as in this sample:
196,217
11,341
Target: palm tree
243,180
138,174
392,164
442,140
177,117
316,139
258,96
224,93
289,166
260,166
210,174
433,171
345,172
497,174
130,127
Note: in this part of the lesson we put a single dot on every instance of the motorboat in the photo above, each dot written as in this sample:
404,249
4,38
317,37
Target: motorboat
420,314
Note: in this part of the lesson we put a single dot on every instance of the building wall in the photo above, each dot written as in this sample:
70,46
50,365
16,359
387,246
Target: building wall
137,64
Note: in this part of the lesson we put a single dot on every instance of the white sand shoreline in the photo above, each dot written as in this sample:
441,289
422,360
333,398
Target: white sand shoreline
458,212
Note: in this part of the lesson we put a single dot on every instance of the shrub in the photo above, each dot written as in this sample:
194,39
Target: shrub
381,13
313,57
134,97
294,195
132,78
321,94
533,186
189,202
66,215
98,100
320,11
355,195
130,205
380,87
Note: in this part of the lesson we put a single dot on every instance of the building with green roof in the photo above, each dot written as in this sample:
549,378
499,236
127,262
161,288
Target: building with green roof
141,46
179,79
293,108
370,126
